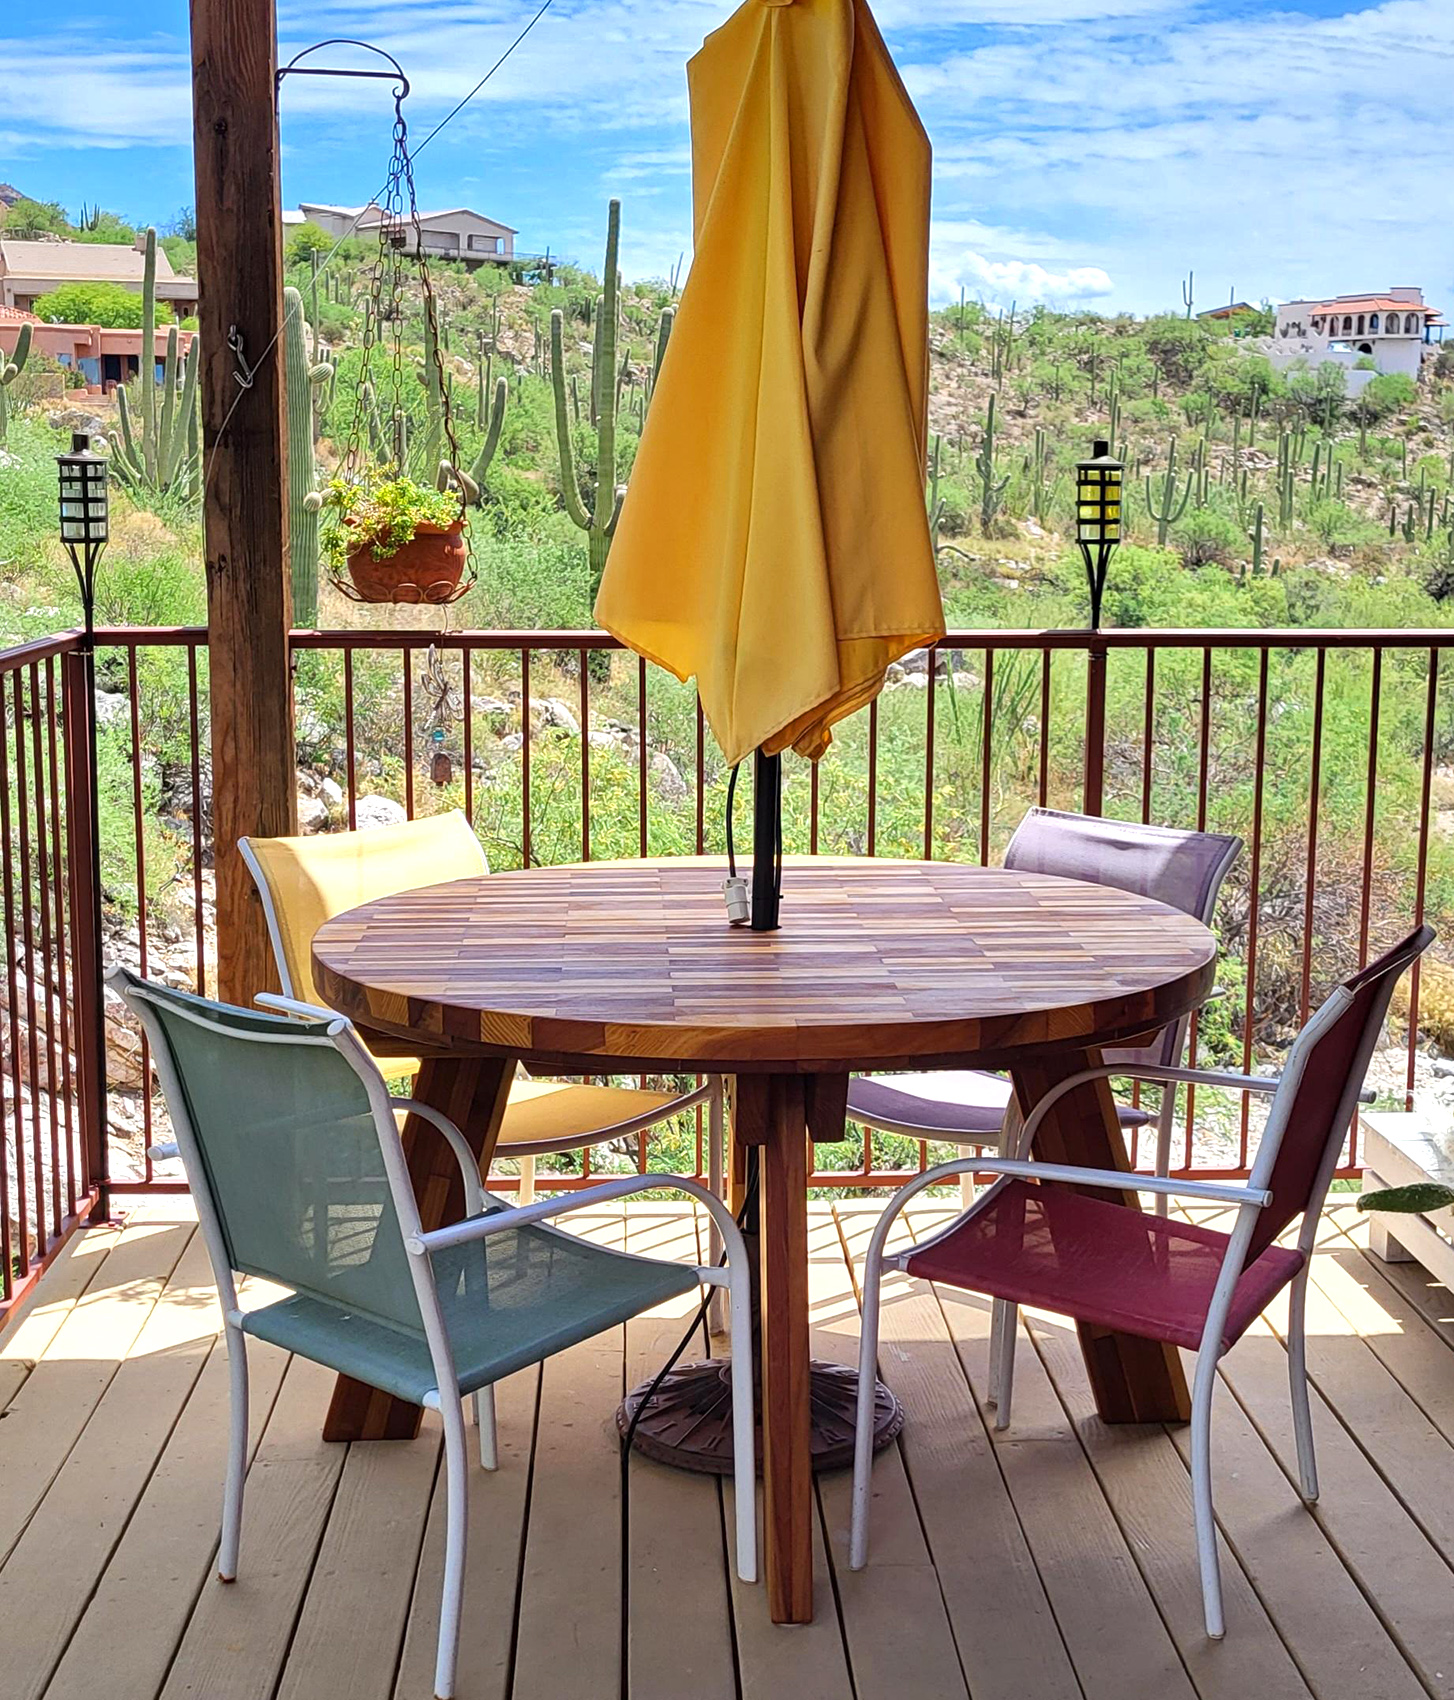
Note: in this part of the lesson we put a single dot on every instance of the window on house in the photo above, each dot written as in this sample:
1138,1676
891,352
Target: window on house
1411,324
1347,324
1373,322
484,244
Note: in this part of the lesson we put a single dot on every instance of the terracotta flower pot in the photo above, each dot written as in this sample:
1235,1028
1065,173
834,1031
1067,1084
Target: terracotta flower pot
427,568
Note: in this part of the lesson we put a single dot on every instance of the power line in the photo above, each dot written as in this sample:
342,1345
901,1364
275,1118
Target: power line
328,259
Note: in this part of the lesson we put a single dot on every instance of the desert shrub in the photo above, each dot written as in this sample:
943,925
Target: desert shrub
1206,537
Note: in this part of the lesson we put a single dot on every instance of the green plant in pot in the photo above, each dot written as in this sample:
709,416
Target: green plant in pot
395,539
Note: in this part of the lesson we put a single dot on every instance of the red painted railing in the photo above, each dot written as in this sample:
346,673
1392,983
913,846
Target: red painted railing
1326,750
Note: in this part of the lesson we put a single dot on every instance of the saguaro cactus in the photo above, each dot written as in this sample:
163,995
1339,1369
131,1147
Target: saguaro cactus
991,489
1171,510
161,452
302,380
1257,539
598,521
10,370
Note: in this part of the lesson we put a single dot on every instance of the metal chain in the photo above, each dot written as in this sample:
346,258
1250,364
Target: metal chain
399,221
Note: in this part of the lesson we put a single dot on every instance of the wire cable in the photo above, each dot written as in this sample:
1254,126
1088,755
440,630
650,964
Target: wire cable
332,253
731,849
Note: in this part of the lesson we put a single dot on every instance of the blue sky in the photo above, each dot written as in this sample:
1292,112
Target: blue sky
1087,152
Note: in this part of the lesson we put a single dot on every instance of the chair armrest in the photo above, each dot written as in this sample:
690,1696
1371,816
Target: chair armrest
1154,1072
294,1006
1124,1180
469,1164
478,1227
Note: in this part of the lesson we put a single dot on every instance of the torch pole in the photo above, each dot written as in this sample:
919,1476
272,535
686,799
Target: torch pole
767,839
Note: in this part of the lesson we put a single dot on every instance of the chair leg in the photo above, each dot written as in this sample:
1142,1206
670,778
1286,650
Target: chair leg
526,1194
1002,1358
236,1454
1297,1369
484,1404
1201,1491
744,1423
863,1426
451,1604
1165,1125
716,1180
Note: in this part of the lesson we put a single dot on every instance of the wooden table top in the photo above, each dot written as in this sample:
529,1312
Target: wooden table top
878,963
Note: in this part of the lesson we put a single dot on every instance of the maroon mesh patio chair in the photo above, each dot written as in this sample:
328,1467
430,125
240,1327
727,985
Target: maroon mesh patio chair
1182,869
1097,1260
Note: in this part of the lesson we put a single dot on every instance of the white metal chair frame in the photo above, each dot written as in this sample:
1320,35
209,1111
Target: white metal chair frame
526,1151
420,1245
1250,1198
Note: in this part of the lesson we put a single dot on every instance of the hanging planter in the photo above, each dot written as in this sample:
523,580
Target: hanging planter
395,515
398,541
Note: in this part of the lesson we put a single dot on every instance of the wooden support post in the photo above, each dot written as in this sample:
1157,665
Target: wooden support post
244,509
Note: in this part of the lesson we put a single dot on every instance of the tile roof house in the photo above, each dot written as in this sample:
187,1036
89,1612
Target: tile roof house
30,269
1389,328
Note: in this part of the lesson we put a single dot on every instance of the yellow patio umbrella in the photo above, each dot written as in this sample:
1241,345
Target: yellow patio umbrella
774,543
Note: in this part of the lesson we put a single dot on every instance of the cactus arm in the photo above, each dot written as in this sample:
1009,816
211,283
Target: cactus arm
303,524
491,443
148,356
605,351
168,420
569,489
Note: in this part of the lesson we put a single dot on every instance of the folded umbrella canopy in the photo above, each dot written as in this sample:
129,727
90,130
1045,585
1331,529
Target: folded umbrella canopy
774,542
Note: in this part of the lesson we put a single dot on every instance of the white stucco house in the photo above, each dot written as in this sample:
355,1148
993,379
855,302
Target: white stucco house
455,234
1391,329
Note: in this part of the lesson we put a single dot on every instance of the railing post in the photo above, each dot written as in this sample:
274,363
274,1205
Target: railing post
82,860
1095,726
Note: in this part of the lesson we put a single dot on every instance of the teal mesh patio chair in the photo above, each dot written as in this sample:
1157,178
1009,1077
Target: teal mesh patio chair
291,1145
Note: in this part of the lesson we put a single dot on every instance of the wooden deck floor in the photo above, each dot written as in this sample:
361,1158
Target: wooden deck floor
1053,1563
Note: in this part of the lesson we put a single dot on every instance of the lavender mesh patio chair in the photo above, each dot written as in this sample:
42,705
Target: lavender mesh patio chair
1056,1247
1183,869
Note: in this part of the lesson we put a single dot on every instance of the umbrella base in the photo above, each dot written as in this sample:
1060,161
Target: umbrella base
689,1422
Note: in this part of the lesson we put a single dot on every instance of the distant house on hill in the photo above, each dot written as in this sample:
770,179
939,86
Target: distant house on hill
30,269
101,356
1233,310
1390,329
456,234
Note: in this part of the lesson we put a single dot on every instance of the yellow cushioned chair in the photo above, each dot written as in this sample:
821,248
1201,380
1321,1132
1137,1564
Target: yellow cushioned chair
304,882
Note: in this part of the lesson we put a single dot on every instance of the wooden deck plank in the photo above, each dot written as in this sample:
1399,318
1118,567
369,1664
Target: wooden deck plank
1329,1627
50,1411
805,1661
679,1625
1145,1482
351,1630
1004,1627
53,1568
1112,1628
497,1501
900,1642
137,1617
236,1641
33,1323
1394,1563
569,1622
1351,1602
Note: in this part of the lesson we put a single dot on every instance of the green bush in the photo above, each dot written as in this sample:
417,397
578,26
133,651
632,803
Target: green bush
1206,537
109,305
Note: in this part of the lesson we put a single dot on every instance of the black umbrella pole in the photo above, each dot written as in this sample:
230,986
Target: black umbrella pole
767,837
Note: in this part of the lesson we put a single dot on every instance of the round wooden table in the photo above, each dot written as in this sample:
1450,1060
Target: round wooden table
617,967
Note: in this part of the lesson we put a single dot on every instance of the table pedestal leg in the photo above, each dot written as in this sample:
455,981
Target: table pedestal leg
472,1092
806,1408
1134,1380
